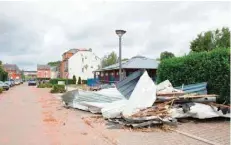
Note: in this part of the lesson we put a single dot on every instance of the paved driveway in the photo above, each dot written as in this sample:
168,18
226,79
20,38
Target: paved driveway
32,116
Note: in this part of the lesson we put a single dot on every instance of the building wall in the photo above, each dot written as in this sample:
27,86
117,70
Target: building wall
43,73
111,76
63,67
12,74
82,64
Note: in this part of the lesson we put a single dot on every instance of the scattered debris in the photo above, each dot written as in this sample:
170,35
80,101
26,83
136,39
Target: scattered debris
84,133
138,104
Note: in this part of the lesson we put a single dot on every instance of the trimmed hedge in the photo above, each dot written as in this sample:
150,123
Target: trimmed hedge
45,85
3,74
212,67
55,81
58,89
1,90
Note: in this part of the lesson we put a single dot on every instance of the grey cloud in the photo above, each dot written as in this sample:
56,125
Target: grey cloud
38,32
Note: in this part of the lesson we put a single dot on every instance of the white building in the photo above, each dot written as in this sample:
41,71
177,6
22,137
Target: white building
82,64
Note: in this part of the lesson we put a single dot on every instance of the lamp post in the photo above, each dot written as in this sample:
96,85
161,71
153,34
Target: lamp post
120,33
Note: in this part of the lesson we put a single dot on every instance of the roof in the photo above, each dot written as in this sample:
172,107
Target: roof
75,50
137,62
44,67
10,67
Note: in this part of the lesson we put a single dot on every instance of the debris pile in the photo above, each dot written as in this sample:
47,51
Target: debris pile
138,102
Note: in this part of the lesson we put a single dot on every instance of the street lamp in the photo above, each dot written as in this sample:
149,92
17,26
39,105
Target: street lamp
120,33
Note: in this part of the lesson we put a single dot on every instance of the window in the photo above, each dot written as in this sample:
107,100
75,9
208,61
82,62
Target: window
91,66
82,60
82,69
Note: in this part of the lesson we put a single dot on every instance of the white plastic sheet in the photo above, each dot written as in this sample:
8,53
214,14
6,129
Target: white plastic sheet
143,96
198,110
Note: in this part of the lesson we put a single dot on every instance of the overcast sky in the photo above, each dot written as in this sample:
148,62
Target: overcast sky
34,33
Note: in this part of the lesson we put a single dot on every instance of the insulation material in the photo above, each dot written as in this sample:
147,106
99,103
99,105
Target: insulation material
166,87
143,96
198,110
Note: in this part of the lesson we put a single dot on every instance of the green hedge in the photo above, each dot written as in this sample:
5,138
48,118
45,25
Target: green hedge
58,89
45,85
212,67
1,90
55,81
3,74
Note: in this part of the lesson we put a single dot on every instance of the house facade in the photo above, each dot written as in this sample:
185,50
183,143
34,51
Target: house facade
110,74
13,71
82,64
63,69
43,71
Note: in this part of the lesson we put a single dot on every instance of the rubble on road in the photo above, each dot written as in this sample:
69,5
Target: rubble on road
138,102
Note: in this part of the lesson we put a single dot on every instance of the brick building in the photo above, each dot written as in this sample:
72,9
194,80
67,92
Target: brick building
13,71
64,63
43,71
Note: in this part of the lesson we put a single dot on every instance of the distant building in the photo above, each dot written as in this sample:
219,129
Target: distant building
54,72
13,71
82,64
63,72
110,74
30,74
43,71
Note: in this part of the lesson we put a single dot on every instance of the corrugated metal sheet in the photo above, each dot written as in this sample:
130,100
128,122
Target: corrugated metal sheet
200,88
127,85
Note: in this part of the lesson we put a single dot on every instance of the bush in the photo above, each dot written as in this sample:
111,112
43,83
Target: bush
1,90
55,81
45,85
74,79
79,80
58,89
212,67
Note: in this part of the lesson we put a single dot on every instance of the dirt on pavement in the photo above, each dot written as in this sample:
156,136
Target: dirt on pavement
33,116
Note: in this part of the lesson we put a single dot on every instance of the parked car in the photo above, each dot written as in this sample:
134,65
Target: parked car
32,82
12,81
17,82
21,81
4,86
9,83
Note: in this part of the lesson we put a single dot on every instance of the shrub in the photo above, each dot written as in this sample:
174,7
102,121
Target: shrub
45,85
74,79
1,90
55,81
79,80
58,89
212,67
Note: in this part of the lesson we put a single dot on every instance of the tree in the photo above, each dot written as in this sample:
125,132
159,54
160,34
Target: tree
74,79
124,59
109,59
210,40
166,55
54,63
79,80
